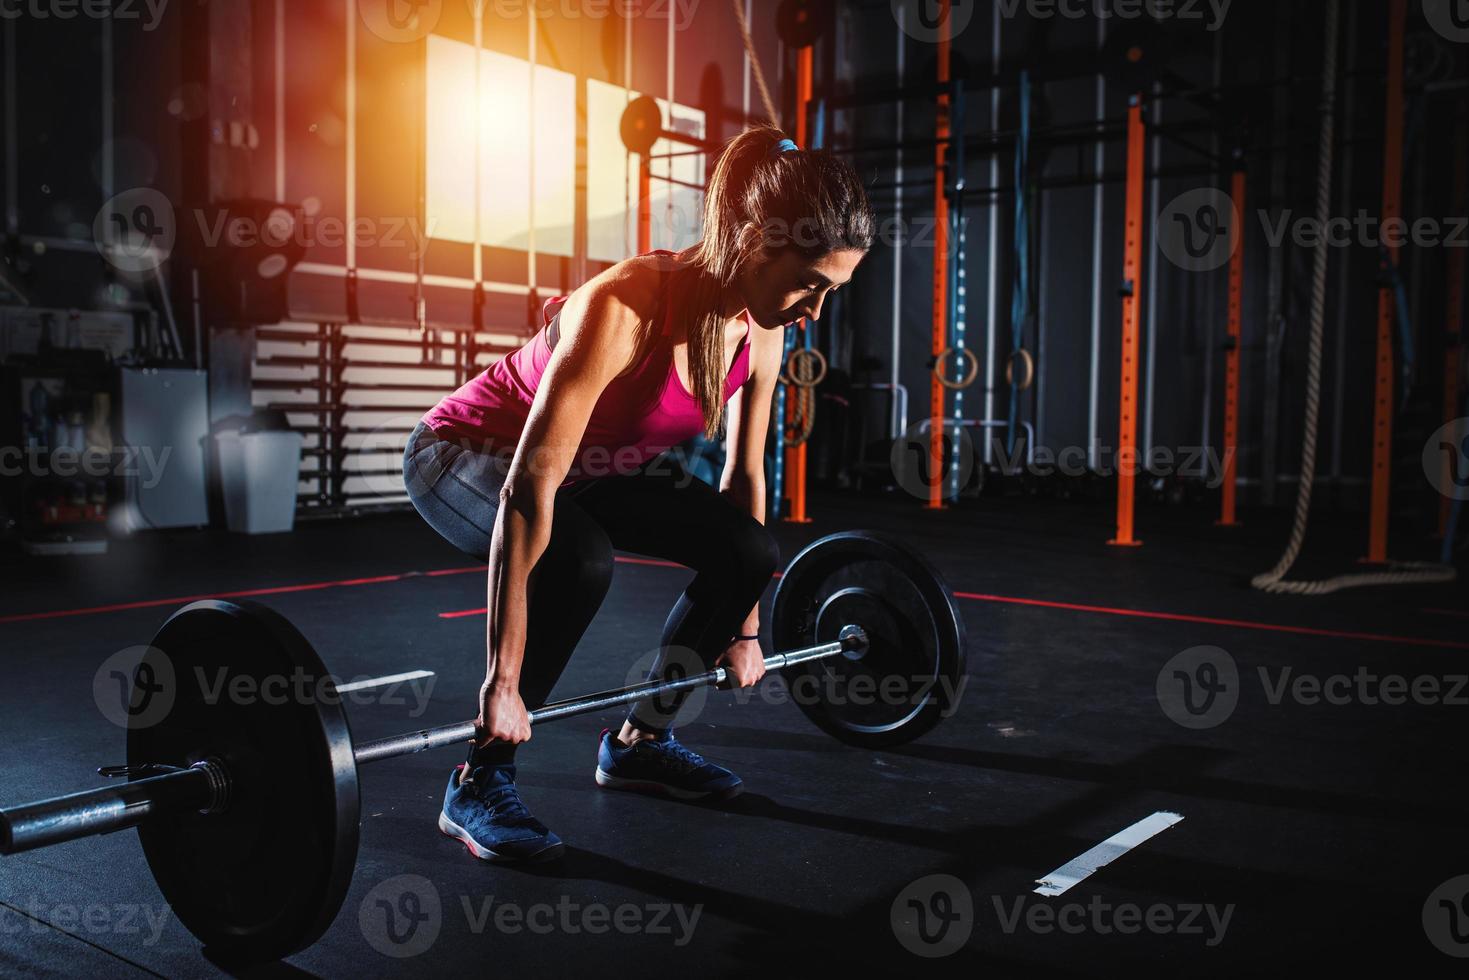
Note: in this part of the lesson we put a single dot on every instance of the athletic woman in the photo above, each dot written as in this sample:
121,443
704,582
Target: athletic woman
553,456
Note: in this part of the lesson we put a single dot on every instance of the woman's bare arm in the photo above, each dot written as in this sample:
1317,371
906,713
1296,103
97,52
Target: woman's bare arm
597,331
743,480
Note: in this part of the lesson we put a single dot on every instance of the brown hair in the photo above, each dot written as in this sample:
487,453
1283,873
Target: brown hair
808,200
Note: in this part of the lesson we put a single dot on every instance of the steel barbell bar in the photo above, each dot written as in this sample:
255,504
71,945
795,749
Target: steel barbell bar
204,786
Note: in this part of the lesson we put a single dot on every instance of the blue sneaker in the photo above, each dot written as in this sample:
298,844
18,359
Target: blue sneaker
664,767
486,815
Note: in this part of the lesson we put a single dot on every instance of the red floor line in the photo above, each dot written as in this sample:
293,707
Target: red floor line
238,594
648,561
272,590
982,597
1144,614
461,613
1215,621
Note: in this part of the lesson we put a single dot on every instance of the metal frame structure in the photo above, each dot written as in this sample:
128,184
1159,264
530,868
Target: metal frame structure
332,445
794,478
1232,355
1392,192
1132,266
1454,306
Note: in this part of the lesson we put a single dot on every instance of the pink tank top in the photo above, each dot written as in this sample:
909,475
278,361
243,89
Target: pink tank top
641,414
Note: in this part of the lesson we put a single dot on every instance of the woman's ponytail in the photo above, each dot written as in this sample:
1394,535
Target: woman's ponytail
764,193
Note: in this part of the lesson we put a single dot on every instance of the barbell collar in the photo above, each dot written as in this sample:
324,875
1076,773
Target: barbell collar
203,787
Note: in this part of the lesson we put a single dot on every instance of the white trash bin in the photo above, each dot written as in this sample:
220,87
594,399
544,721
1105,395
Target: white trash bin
259,472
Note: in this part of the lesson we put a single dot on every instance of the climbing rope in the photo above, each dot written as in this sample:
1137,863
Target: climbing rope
739,11
1020,294
1400,573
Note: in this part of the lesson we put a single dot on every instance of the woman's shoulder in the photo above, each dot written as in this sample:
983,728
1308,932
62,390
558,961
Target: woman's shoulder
615,301
627,293
638,281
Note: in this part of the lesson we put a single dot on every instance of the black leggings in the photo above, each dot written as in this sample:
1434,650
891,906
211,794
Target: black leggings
658,510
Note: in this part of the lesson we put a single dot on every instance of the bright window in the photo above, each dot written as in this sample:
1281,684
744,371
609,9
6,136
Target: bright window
511,202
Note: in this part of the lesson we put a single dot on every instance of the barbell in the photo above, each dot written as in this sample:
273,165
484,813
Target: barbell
247,806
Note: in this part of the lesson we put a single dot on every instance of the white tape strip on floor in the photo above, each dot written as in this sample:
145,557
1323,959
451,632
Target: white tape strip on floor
1085,865
412,675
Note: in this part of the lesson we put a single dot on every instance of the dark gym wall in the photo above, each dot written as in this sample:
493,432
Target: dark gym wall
1182,312
59,150
161,133
56,174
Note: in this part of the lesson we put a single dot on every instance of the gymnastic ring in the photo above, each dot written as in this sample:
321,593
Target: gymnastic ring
1023,356
970,373
791,377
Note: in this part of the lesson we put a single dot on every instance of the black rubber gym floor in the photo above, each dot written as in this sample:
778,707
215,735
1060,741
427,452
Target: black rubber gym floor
1314,831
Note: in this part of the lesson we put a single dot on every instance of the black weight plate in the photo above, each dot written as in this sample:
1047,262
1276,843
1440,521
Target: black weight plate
913,671
641,124
266,876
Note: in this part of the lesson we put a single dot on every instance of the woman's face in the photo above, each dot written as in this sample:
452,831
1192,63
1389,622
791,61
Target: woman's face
781,288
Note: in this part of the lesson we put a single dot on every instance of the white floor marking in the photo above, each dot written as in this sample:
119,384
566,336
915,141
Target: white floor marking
412,675
1085,865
